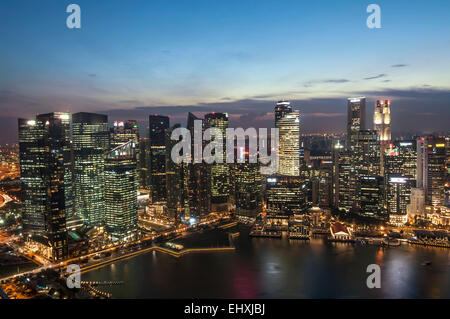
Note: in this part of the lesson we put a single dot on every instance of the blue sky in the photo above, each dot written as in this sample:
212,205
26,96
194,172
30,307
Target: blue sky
238,56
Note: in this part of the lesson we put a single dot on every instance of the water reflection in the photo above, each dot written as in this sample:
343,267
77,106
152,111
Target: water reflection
274,268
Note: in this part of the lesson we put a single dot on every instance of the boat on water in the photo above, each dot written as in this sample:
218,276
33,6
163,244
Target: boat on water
391,242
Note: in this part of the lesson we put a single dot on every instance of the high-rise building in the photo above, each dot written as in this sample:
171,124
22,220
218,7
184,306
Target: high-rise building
45,158
281,109
366,153
247,184
285,195
382,119
176,183
344,198
220,184
365,162
356,119
325,184
158,126
416,203
371,196
197,178
90,144
431,169
121,189
32,169
144,163
400,162
398,193
401,158
288,123
123,132
382,125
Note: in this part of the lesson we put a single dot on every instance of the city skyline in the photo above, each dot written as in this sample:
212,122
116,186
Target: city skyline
239,66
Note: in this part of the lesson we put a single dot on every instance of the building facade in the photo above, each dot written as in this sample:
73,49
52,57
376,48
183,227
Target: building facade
90,144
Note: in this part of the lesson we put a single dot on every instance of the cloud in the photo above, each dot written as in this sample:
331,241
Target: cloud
420,110
399,65
375,77
335,81
323,114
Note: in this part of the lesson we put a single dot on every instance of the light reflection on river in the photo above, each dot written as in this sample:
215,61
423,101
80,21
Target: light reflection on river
279,268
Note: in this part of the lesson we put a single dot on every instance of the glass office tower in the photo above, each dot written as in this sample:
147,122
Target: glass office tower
121,189
90,144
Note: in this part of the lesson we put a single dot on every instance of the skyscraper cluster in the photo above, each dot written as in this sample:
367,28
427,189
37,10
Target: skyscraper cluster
69,170
79,168
375,176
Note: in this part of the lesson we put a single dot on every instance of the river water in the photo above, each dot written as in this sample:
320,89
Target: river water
281,268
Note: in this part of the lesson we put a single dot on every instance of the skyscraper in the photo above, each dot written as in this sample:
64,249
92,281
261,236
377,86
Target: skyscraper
288,123
281,109
176,183
121,189
219,172
344,197
382,125
382,119
400,162
123,132
197,178
46,178
371,196
90,144
158,126
431,171
32,170
247,184
356,118
285,195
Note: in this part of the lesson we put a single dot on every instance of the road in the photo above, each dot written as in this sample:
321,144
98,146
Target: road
116,252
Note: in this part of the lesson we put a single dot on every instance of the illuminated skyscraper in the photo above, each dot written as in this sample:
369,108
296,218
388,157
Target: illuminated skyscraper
356,119
401,159
197,178
282,108
400,163
371,196
176,182
219,172
45,158
32,167
431,169
382,125
158,126
121,189
285,195
398,193
382,119
366,153
144,163
123,132
288,123
344,197
90,144
247,184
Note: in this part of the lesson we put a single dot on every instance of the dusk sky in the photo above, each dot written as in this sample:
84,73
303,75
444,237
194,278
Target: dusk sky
135,58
